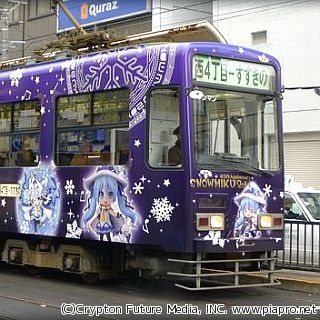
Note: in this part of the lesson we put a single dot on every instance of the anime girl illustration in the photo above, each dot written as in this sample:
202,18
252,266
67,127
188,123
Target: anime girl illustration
38,205
251,203
108,214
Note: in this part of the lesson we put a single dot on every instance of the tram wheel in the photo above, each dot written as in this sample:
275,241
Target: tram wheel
90,277
32,270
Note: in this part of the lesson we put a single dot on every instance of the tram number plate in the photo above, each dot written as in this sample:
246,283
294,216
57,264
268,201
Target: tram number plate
10,190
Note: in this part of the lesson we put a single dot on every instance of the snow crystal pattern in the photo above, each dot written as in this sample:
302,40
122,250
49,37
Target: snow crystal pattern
161,209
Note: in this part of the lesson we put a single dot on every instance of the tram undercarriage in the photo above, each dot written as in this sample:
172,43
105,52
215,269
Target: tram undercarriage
197,271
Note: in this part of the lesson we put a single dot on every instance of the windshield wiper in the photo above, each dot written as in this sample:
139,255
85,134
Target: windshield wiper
241,164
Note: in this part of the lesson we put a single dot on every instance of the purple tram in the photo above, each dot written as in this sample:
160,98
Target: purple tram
163,158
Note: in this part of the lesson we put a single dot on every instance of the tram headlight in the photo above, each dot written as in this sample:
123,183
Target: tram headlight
210,221
265,221
271,221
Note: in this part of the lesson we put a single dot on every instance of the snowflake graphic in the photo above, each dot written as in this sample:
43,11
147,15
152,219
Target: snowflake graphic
137,188
267,189
161,209
15,77
73,231
69,186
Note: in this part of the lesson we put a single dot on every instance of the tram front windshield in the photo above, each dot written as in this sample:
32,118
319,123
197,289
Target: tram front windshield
235,131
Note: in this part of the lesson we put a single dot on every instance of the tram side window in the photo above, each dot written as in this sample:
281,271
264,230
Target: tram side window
19,133
93,129
164,128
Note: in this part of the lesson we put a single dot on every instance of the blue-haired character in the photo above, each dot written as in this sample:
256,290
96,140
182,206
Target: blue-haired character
108,214
37,202
251,203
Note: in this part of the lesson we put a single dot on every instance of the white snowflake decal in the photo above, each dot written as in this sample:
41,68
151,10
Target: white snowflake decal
69,186
267,189
161,209
73,231
137,188
15,77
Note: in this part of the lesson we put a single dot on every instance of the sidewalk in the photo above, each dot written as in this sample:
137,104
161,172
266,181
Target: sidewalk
305,281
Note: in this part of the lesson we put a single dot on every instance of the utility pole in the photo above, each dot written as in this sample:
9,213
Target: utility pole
6,8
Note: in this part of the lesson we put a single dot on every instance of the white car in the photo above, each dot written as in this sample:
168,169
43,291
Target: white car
302,226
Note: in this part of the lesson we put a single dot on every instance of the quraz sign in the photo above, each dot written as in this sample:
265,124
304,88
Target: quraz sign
96,9
89,12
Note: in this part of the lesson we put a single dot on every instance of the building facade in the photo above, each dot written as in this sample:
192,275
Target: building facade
286,29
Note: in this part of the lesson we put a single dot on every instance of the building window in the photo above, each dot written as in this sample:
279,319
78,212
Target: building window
16,15
259,37
39,7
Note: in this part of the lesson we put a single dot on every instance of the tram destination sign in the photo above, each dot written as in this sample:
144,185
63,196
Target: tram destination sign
236,73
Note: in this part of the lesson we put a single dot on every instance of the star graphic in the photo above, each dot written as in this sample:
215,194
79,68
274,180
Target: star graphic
61,79
263,58
70,214
3,202
137,143
43,110
50,70
240,50
166,182
37,80
143,179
